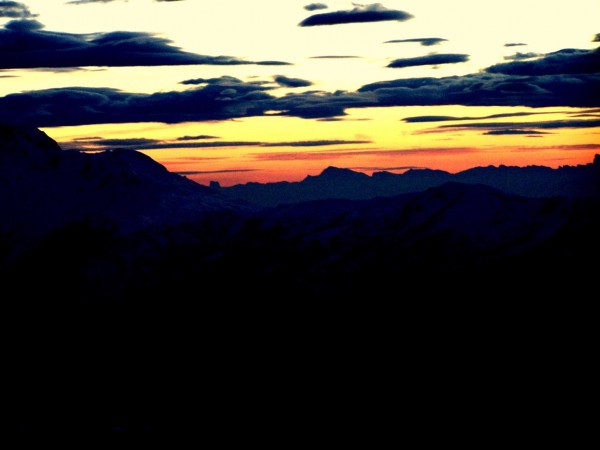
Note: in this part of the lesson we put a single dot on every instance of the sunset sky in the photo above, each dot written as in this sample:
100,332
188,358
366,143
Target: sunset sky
271,90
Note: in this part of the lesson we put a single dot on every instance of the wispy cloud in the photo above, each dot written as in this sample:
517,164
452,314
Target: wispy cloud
94,144
335,154
360,14
419,119
514,127
520,56
15,10
427,42
320,143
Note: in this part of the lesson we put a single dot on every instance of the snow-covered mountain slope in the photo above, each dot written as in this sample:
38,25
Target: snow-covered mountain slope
531,181
43,189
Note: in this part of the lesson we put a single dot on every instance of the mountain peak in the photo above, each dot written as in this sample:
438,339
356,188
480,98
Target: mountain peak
332,172
26,142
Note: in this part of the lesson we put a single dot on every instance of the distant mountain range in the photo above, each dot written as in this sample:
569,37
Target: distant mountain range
530,181
114,269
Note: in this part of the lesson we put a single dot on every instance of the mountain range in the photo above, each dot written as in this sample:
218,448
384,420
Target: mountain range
333,182
112,267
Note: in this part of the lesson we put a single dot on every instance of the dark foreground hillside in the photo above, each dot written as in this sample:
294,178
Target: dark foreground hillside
140,302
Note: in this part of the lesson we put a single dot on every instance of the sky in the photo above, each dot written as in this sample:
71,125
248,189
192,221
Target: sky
274,90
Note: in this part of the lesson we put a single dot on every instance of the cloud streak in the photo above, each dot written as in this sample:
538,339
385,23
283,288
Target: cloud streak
517,127
512,132
360,14
335,154
426,42
94,144
420,119
429,60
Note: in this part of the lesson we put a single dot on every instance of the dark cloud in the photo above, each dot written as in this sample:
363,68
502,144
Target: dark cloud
427,42
490,89
520,56
78,106
131,142
24,44
156,145
360,14
418,119
315,6
318,105
229,98
429,60
15,10
514,44
224,80
291,82
566,61
510,131
195,138
596,38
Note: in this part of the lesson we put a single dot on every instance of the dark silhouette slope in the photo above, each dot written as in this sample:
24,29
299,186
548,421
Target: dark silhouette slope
139,301
44,189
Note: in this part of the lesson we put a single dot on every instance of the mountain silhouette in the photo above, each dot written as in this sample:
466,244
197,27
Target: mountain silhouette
131,289
44,189
530,181
143,222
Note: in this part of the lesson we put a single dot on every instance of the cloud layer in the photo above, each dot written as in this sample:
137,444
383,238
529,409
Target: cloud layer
554,84
567,61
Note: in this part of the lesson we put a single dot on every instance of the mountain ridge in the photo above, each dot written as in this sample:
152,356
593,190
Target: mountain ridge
332,182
